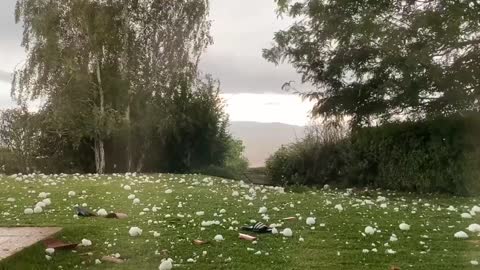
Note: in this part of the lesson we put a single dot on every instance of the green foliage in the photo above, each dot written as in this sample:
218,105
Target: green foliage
440,155
374,60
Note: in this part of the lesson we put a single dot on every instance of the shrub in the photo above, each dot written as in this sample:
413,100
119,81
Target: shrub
439,155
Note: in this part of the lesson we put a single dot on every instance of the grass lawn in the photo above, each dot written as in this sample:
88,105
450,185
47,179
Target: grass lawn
337,240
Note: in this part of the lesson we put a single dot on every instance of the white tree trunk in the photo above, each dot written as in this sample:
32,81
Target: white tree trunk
99,145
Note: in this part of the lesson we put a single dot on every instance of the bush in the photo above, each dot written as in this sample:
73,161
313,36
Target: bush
439,155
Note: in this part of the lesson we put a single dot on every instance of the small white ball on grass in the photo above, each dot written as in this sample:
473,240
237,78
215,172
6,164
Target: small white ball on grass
86,242
466,215
28,211
127,187
37,210
136,201
135,231
166,264
218,238
50,251
102,212
287,232
262,210
404,227
461,235
71,193
310,221
474,228
369,230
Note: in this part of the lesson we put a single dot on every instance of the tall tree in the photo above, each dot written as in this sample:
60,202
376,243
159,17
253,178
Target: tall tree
377,60
98,64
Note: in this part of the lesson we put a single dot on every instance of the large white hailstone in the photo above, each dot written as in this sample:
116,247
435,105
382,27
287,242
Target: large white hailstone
200,213
474,262
310,221
37,210
223,211
102,212
136,201
466,215
474,228
287,232
28,211
339,207
43,195
131,196
71,193
47,201
262,210
476,209
404,226
166,264
218,238
274,230
135,231
369,230
41,204
50,251
461,235
451,208
235,193
127,187
86,242
168,191
393,238
390,251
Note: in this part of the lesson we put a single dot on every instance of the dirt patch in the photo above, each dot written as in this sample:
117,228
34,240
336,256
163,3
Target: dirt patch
13,240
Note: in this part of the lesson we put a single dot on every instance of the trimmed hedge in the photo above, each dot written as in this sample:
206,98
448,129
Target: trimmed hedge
440,155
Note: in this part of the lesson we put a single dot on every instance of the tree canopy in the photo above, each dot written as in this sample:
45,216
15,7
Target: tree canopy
383,59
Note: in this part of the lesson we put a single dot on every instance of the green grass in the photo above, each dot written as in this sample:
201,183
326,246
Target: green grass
337,245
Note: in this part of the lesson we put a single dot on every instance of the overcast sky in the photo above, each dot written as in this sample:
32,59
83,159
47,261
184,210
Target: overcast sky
241,29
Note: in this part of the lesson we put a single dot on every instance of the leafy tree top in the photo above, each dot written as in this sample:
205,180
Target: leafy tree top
380,59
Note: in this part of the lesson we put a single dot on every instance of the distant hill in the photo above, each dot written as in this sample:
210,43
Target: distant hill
263,139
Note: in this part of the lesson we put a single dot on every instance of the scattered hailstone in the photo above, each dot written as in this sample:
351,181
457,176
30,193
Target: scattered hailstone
37,210
97,261
50,251
310,221
466,215
131,196
135,231
127,187
166,264
47,201
474,228
262,210
274,230
168,191
28,211
369,230
235,194
218,238
156,234
200,213
461,235
10,199
71,193
223,211
287,232
86,242
404,227
136,201
102,212
474,262
339,207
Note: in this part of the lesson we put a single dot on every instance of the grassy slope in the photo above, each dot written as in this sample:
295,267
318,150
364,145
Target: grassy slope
338,245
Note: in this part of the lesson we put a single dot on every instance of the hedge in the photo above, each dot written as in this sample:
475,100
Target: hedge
439,155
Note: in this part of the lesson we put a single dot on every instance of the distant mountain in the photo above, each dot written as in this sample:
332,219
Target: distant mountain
263,139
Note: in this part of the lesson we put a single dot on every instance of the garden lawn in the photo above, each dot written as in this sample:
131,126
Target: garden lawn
336,241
